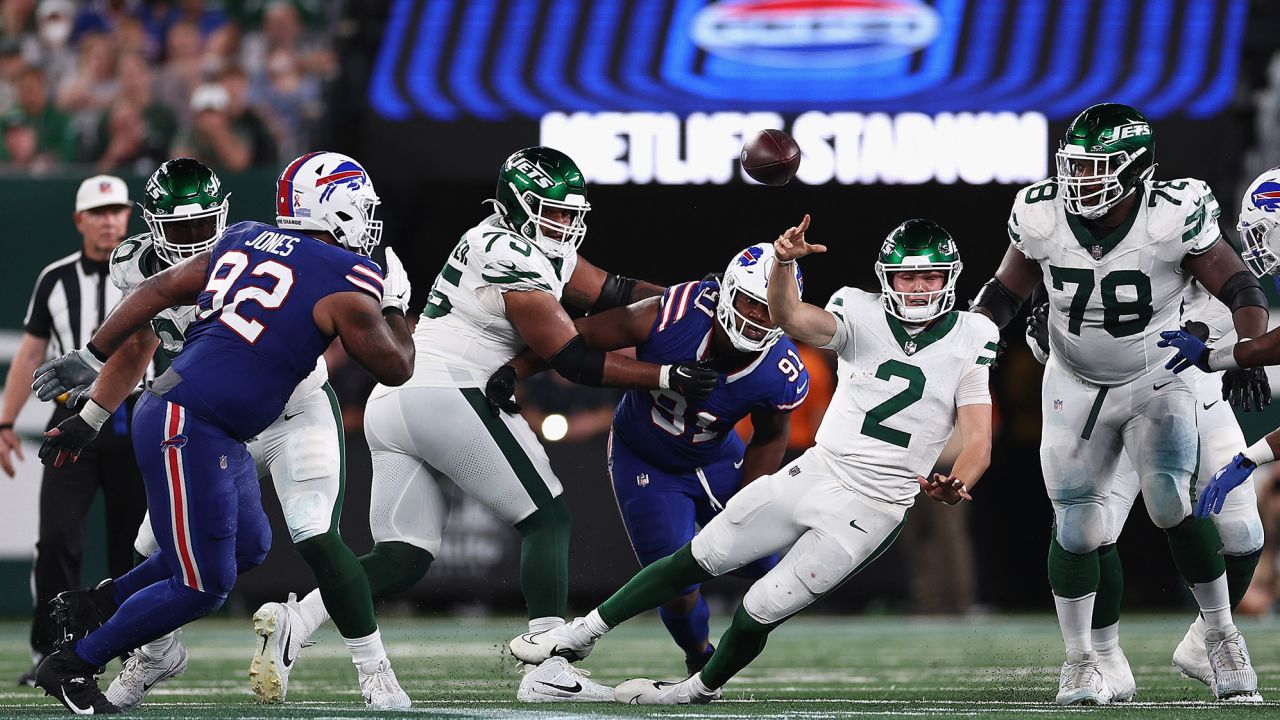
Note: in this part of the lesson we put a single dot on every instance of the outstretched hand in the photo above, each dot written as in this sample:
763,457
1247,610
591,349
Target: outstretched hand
791,243
949,490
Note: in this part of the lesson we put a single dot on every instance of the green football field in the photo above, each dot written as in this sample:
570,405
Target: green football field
813,669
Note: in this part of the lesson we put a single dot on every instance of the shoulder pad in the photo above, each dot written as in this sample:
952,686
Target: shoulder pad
679,300
1183,211
125,266
848,302
1034,215
985,335
509,262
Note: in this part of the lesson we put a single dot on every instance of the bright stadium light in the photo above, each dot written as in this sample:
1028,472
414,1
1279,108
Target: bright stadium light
554,427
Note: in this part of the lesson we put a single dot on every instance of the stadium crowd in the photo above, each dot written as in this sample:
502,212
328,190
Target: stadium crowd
123,85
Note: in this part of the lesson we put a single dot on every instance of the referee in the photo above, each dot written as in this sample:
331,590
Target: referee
72,297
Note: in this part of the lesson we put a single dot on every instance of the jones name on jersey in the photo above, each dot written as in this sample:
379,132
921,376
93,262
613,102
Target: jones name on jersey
464,334
1109,297
894,407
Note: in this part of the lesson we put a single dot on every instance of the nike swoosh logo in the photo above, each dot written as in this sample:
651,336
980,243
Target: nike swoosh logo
1209,405
800,388
574,688
854,524
287,416
737,465
75,708
146,687
288,661
1161,385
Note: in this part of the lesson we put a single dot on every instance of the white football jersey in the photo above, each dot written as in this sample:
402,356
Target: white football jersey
464,334
1109,298
135,260
894,406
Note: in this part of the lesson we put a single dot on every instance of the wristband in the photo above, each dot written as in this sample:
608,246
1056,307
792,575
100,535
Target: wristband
92,357
94,414
1223,358
6,426
1260,452
664,377
792,261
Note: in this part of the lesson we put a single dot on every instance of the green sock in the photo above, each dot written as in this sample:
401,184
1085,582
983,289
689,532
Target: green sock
654,585
1240,573
1072,575
740,644
342,583
393,567
1106,606
1196,546
544,560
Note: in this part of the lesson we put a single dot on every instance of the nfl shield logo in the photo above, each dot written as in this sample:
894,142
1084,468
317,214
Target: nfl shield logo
1096,252
1057,406
910,347
642,479
222,462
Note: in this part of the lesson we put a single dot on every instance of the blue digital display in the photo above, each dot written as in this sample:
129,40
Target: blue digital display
499,60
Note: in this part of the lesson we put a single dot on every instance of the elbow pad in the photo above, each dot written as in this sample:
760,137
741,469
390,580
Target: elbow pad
615,292
578,363
999,301
1242,290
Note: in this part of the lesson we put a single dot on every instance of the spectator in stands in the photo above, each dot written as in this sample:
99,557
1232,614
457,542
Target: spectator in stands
161,15
55,140
130,38
91,87
15,17
11,67
49,48
20,152
135,134
249,121
282,29
220,139
183,67
221,49
102,17
294,99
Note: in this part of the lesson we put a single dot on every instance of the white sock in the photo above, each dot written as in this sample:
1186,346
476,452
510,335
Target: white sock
699,688
595,624
1214,601
1199,626
1075,615
313,612
1107,638
545,623
366,649
160,646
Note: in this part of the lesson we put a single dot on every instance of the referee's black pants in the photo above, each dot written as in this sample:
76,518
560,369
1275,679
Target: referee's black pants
66,494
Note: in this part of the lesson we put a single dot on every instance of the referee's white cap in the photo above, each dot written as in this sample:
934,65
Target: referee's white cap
101,190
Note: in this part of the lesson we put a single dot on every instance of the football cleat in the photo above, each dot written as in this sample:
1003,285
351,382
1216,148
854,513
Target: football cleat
1081,681
555,680
1119,676
380,688
1233,677
142,672
279,629
643,691
1191,658
570,641
74,683
79,612
28,678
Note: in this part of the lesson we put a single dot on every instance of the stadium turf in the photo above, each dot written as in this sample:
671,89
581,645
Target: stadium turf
812,669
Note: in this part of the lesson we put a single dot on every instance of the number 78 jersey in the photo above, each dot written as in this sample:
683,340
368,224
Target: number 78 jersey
1110,297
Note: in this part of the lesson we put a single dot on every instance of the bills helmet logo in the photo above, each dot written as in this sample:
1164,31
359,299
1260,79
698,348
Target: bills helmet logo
750,256
176,442
346,174
1266,196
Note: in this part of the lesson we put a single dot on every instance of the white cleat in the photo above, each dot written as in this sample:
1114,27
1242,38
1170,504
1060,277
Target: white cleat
380,688
1117,674
1191,658
142,672
1081,681
1233,677
570,641
643,691
280,640
555,680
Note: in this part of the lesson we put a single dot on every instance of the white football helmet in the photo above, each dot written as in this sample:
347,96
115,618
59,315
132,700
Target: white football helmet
1259,218
332,193
748,273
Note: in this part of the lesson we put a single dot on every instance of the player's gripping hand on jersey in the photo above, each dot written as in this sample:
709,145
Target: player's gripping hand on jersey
1246,388
943,489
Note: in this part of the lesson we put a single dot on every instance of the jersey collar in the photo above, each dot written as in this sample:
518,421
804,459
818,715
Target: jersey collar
935,332
1098,247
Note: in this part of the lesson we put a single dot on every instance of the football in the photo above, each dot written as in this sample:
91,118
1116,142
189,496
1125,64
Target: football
771,157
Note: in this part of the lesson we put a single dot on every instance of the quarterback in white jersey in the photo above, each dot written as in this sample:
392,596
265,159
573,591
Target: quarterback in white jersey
186,209
1117,251
910,367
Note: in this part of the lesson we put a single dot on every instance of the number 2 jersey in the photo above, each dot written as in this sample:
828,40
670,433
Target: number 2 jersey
897,393
679,435
1110,297
254,338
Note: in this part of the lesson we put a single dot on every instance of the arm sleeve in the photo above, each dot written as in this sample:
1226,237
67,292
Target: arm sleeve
974,387
836,306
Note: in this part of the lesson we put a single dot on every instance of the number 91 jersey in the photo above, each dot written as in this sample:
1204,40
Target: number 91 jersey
677,435
1109,297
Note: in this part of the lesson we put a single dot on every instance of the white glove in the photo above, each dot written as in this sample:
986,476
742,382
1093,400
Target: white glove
395,284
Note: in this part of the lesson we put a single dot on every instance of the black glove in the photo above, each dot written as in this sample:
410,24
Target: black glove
1038,325
500,390
718,276
692,380
67,440
1197,330
1247,388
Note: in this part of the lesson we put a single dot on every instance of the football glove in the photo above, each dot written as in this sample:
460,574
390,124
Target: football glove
1223,482
65,373
67,441
692,380
1191,350
1247,388
499,392
395,284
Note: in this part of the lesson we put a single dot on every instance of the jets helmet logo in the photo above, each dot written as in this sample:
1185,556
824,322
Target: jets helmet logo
535,173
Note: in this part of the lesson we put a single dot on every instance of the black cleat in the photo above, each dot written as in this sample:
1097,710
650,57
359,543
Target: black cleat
80,612
695,663
74,683
28,678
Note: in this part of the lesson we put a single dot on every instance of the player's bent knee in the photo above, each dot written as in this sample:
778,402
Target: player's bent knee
393,567
554,517
771,600
307,514
1081,528
683,604
1240,536
145,543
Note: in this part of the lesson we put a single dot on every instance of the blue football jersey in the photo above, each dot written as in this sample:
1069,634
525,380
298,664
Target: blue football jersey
254,338
677,434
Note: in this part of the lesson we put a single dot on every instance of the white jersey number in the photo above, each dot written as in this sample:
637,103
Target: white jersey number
235,263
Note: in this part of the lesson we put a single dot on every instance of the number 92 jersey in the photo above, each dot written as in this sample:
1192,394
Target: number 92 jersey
677,435
1109,297
896,396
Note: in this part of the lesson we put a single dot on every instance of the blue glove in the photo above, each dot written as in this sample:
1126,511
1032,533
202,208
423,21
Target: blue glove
1223,482
1191,350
